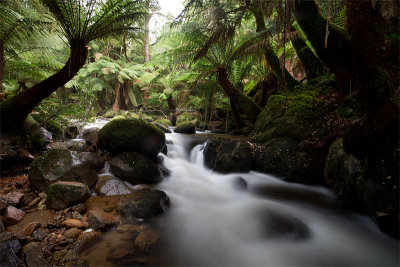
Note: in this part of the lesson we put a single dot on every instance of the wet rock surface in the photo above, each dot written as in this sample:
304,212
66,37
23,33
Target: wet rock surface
185,127
13,215
109,185
63,194
9,248
135,168
144,204
33,255
60,165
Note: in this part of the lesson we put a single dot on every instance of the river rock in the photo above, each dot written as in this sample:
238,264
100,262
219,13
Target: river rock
13,215
135,168
97,161
121,135
91,136
161,127
109,185
12,198
185,127
146,239
72,131
98,219
144,204
33,254
60,165
284,226
9,248
73,223
63,194
225,156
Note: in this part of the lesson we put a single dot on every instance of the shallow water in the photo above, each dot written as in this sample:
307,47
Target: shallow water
254,219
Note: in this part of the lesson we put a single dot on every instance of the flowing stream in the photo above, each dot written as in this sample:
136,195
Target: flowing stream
254,219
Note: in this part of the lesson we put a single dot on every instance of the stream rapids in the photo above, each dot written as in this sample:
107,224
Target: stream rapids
255,219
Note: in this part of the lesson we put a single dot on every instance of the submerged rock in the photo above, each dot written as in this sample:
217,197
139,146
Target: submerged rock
108,185
60,165
98,219
144,204
121,135
63,194
34,255
185,127
135,168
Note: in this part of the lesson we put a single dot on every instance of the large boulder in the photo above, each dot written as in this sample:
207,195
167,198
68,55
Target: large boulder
135,168
144,204
185,127
121,135
225,156
63,194
60,165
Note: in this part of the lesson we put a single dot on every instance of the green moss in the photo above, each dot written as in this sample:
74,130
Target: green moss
55,128
109,114
118,117
186,127
187,116
164,122
349,108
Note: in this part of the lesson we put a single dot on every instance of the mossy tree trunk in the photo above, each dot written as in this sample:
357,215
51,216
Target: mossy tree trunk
312,65
337,56
14,110
282,75
240,101
366,28
2,65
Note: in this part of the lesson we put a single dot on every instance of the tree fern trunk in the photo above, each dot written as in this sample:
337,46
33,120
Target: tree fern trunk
313,67
337,56
14,110
2,65
244,103
284,77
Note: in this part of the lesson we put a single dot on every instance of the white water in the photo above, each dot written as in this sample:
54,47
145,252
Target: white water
212,221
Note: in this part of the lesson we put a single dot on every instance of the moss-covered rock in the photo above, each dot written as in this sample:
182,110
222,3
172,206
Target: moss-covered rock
187,116
185,127
55,128
297,116
109,114
131,135
350,179
225,156
135,168
72,131
40,137
164,122
60,165
61,194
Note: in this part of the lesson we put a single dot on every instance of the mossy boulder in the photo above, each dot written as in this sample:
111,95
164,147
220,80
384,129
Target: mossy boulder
144,204
350,178
225,156
161,127
164,122
187,116
185,127
62,194
135,168
131,135
109,114
60,164
55,128
40,137
296,116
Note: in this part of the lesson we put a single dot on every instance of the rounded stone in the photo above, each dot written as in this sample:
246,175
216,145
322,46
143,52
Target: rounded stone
137,135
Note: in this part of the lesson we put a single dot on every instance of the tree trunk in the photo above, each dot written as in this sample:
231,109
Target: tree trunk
368,44
337,56
312,66
284,77
2,65
146,43
14,110
172,110
244,103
